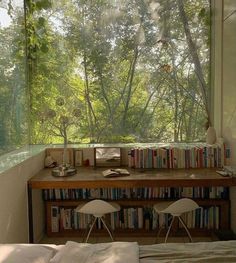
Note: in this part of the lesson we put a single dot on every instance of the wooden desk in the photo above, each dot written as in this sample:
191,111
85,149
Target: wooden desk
93,178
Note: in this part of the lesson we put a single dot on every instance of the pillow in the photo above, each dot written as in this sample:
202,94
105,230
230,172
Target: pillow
25,253
73,252
114,252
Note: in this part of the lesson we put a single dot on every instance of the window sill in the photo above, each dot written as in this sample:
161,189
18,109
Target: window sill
18,156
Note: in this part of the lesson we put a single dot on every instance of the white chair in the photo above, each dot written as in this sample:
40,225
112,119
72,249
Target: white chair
98,208
176,209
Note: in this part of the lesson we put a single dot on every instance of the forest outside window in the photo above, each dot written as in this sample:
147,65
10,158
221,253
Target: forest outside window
118,71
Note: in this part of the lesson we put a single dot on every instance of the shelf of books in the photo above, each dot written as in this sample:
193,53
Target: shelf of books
137,215
182,156
216,192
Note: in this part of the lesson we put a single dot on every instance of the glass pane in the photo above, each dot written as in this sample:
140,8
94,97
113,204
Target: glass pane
121,71
13,106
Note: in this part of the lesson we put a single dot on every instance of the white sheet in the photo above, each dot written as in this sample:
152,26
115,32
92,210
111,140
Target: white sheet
26,253
204,252
115,252
119,252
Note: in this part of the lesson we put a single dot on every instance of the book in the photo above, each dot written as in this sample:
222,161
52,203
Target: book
55,219
115,172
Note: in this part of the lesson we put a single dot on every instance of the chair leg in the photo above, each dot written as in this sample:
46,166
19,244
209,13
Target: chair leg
171,223
108,230
159,231
90,230
186,228
85,232
109,227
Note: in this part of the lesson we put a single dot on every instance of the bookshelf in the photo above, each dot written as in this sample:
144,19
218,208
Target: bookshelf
148,226
196,183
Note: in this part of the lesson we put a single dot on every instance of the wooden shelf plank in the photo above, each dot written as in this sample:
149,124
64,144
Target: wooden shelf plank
93,178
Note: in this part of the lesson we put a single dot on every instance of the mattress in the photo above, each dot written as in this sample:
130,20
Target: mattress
119,252
218,251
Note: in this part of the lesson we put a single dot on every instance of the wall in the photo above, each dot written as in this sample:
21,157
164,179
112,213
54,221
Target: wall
229,90
229,76
13,202
225,81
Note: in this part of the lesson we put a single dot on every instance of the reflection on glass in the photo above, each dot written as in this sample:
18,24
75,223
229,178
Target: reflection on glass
107,156
13,99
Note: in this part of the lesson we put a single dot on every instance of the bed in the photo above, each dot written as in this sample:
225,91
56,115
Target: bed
119,252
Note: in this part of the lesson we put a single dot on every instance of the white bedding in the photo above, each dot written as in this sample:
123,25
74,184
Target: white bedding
119,252
26,253
204,252
115,252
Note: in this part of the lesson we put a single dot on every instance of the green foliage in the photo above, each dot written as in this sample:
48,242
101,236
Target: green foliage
126,65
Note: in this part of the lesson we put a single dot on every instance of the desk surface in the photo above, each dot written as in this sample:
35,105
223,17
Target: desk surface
93,178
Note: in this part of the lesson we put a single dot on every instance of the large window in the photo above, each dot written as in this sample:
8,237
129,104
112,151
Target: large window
114,70
13,99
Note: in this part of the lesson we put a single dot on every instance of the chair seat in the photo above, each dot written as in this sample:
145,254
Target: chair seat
161,207
176,209
98,208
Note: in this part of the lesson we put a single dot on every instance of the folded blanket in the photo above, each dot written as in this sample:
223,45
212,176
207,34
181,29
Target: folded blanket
204,252
115,252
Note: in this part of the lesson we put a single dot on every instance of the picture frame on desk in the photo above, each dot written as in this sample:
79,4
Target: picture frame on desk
78,157
107,156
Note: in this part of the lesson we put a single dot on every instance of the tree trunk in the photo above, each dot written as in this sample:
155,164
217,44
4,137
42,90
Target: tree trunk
87,97
131,76
195,58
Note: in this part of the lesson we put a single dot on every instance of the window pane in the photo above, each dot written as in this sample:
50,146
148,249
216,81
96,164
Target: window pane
13,106
120,71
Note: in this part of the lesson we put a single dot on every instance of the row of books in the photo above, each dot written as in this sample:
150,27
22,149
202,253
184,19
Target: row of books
67,218
133,218
147,218
137,193
197,156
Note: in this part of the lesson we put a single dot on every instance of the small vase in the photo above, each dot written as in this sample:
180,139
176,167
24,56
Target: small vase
211,135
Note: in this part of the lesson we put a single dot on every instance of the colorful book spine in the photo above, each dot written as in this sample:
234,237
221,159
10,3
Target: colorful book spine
134,218
197,156
148,193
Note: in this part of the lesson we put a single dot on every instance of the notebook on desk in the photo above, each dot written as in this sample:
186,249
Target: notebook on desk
115,172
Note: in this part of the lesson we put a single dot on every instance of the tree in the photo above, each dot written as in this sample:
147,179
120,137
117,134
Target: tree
133,65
